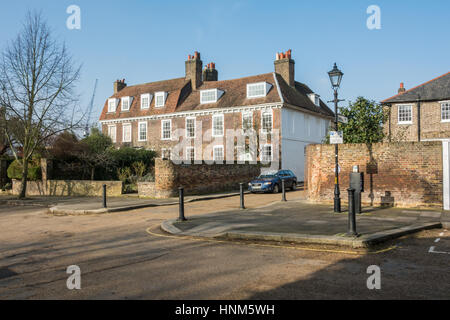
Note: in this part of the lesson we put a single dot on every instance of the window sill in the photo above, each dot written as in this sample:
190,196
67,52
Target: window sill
403,123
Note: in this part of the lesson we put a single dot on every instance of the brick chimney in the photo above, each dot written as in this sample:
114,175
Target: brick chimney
402,88
194,70
284,66
119,85
210,73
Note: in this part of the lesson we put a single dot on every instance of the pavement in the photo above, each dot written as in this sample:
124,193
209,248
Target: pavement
125,255
94,205
299,221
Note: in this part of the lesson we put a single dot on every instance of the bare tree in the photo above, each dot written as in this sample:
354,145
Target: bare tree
37,82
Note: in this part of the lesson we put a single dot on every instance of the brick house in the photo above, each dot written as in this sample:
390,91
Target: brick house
147,115
421,113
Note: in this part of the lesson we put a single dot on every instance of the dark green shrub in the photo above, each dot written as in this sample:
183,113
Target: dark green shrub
15,170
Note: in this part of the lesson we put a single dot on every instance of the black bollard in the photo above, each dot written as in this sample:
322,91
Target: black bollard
241,192
104,196
181,206
351,213
283,189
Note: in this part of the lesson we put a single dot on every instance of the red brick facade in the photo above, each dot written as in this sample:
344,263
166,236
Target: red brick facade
411,172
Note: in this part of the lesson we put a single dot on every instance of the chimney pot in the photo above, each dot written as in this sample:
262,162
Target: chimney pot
285,67
402,88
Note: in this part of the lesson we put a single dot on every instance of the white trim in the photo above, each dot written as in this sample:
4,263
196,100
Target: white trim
223,125
115,101
162,129
204,112
446,174
242,119
128,124
164,96
149,96
267,87
127,99
217,95
223,152
398,113
186,127
441,104
115,132
188,153
271,152
139,130
262,114
278,87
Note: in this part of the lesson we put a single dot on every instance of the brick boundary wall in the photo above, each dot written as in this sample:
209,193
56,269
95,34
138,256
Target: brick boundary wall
407,174
197,178
68,188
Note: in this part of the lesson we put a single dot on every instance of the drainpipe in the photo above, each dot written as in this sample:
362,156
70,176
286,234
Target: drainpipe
390,112
418,118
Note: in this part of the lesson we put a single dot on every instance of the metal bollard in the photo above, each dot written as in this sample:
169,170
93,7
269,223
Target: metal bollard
104,196
181,206
283,189
241,192
351,213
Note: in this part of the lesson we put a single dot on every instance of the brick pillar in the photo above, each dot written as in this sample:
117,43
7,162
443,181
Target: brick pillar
3,172
47,169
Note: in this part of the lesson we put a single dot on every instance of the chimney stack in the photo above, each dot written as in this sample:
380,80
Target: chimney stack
285,67
119,85
402,88
210,73
194,70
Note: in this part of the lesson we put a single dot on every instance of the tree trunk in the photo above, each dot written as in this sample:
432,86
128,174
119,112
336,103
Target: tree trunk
23,191
92,173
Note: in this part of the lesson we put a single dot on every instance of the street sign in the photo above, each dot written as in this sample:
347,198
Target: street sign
336,137
342,119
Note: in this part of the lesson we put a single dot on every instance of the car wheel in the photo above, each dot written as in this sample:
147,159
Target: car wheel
276,189
294,186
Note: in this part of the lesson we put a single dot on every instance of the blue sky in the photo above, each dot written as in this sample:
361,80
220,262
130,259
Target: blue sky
144,41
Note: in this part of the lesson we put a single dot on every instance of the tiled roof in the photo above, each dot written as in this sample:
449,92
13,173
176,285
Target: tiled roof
181,97
436,89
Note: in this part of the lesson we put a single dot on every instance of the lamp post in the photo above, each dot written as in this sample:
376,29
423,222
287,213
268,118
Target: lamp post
335,78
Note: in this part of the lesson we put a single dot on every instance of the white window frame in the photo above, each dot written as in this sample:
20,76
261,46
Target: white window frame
188,153
217,94
112,126
442,103
262,120
186,127
267,87
223,125
128,100
126,125
162,129
398,113
149,97
215,154
163,95
115,102
247,113
139,130
263,152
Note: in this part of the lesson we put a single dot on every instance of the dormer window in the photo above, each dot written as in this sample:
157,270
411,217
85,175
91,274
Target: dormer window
146,100
160,99
210,96
258,90
315,98
112,104
126,102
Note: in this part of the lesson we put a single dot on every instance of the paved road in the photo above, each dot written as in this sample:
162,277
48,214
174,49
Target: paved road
119,259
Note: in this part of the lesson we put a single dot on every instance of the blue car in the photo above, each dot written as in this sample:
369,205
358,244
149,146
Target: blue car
271,182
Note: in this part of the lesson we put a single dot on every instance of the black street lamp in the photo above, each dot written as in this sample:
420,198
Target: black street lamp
335,78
